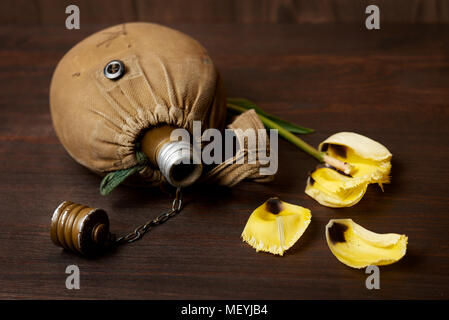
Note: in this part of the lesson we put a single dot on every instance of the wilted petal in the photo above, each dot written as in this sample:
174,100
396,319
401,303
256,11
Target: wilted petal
275,226
358,247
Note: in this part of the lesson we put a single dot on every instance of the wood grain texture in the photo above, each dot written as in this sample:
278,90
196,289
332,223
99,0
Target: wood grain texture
50,12
391,85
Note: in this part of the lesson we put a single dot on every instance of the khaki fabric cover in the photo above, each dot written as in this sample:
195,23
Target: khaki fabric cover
169,79
229,173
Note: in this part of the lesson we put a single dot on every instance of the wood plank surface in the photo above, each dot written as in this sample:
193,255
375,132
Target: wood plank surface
47,12
391,85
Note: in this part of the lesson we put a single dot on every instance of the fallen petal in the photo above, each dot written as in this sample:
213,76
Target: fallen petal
275,226
358,247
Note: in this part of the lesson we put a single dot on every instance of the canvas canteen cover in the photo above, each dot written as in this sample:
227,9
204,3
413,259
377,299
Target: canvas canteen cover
168,78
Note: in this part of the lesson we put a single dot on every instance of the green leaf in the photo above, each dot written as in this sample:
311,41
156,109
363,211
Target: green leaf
247,104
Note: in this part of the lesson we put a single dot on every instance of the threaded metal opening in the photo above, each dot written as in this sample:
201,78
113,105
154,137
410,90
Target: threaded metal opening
175,160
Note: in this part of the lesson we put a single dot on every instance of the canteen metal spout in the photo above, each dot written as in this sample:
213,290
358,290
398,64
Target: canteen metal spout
175,159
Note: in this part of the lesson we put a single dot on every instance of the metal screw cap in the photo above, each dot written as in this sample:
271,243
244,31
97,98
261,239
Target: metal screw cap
80,228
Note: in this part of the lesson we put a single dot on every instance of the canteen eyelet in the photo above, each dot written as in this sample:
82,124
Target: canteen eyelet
114,70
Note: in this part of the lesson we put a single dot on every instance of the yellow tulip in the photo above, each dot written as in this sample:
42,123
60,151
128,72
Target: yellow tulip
369,162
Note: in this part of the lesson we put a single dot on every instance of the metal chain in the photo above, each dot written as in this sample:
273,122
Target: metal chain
140,231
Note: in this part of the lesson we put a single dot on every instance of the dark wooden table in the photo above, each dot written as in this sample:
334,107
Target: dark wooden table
391,85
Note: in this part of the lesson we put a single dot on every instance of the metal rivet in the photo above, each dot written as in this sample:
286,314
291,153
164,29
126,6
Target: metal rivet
114,70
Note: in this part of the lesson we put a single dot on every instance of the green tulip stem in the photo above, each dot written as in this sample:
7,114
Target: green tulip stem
287,135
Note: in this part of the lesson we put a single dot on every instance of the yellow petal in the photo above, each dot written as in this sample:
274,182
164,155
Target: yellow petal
371,163
333,189
275,226
358,247
363,146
